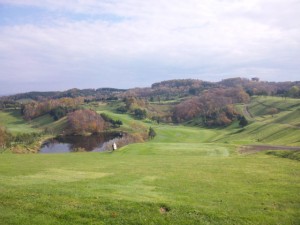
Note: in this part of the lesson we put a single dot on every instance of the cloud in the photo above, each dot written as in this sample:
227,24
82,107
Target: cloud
148,41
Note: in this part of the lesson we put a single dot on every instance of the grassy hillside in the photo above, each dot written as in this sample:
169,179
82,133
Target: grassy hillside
261,133
281,128
47,123
14,122
288,110
259,105
170,180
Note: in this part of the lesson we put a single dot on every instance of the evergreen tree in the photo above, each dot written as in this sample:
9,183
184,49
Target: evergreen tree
140,113
151,133
243,121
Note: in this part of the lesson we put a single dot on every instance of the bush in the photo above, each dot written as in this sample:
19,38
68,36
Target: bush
122,109
5,137
26,138
151,133
60,112
140,113
243,121
289,154
114,123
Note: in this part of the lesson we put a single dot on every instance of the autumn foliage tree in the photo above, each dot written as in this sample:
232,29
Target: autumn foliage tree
85,121
214,107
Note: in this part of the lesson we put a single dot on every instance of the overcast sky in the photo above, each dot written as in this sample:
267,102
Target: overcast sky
61,44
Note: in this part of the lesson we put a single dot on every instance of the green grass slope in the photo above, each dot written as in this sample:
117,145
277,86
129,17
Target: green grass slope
288,110
259,106
169,180
261,133
291,118
279,129
14,122
47,123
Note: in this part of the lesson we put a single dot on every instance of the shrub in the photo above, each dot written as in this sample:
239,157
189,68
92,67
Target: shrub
151,133
26,138
122,109
243,121
140,113
5,137
60,112
108,119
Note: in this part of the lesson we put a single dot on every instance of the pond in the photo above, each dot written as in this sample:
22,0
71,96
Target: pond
71,143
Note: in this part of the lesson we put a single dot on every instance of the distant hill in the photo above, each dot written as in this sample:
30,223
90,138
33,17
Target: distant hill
72,93
170,89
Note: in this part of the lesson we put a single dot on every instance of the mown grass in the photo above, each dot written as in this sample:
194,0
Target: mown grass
198,182
14,122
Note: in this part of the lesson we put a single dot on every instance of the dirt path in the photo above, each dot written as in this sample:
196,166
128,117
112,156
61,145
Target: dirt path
258,148
247,113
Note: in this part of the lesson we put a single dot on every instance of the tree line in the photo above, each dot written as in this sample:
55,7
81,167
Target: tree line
56,107
178,88
165,90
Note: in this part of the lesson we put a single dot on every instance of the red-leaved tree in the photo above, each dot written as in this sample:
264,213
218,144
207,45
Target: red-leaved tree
85,121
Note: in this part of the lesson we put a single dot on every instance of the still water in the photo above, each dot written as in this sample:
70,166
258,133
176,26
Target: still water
72,143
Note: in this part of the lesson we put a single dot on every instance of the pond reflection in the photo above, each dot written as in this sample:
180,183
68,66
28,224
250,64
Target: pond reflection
63,144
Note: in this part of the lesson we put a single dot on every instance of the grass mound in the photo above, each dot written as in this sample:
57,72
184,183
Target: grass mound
295,155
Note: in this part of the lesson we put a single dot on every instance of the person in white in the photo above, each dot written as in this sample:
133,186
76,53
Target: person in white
114,146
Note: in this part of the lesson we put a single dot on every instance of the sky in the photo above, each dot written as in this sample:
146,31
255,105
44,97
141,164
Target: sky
53,45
